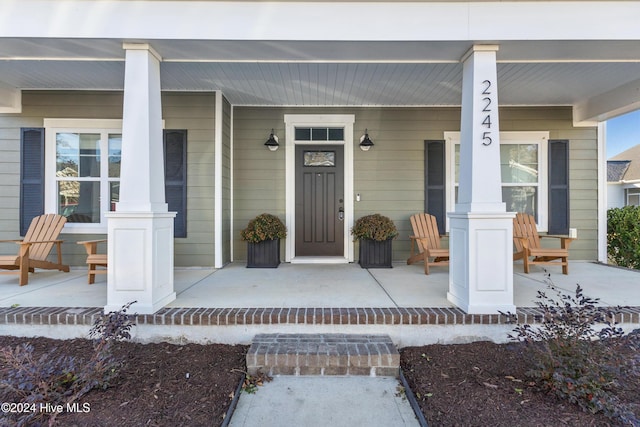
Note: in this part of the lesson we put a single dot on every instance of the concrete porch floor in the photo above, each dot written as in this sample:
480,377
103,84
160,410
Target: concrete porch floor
316,285
233,304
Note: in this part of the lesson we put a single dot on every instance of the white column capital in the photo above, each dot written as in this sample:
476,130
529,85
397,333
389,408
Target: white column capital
142,46
480,48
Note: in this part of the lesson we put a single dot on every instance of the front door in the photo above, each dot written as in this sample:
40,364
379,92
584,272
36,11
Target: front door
319,194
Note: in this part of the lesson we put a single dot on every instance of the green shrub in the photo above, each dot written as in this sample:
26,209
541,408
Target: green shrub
572,358
623,236
374,227
56,379
264,227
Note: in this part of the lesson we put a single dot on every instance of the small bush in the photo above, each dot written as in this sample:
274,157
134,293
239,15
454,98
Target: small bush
374,227
573,359
56,379
264,227
623,236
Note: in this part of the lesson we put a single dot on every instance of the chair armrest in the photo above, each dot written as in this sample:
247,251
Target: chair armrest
91,241
11,241
91,246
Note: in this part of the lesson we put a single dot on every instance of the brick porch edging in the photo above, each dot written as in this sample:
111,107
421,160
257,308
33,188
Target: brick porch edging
275,316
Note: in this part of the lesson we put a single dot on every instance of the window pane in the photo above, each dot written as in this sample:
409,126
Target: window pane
519,163
319,134
303,134
319,158
115,155
67,154
89,154
521,199
336,134
79,201
114,194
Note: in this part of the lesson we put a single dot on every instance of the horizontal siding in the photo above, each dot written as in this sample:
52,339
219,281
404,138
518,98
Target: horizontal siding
390,177
193,112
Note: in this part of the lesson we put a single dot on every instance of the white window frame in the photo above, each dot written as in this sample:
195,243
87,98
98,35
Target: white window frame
102,126
540,138
632,192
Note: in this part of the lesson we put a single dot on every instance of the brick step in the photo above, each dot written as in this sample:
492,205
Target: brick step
323,354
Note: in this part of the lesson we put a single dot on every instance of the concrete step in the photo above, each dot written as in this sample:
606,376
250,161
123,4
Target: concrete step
323,354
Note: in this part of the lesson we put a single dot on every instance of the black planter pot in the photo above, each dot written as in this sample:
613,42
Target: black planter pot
265,254
374,254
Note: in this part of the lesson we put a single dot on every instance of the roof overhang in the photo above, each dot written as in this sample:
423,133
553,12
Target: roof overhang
580,54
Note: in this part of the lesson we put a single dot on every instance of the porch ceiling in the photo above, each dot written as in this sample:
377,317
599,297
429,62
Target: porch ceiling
312,73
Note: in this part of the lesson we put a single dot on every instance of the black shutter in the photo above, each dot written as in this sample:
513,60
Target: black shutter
434,182
31,176
558,186
175,177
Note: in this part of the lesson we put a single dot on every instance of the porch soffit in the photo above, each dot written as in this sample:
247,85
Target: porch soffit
348,73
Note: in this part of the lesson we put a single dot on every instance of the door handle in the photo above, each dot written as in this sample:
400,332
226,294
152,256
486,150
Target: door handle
341,213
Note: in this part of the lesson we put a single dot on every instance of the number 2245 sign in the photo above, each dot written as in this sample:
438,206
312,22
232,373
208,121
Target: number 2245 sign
486,104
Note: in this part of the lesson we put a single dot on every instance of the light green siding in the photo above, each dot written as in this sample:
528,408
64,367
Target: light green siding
193,111
390,177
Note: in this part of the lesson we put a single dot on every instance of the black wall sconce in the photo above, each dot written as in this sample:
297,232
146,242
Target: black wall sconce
272,142
365,142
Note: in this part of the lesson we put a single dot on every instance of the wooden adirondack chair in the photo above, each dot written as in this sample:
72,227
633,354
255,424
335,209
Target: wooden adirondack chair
527,244
427,238
34,249
94,259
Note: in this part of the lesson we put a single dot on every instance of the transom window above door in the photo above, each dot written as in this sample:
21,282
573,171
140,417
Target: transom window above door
319,134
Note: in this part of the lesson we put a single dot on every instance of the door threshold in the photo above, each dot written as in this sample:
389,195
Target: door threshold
319,260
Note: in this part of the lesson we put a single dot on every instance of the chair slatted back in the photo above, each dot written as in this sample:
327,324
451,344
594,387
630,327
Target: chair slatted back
43,228
524,225
425,225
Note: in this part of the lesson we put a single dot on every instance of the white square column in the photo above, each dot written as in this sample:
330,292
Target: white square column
480,229
140,231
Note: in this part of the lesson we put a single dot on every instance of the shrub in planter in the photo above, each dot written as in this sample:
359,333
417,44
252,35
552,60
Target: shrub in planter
375,233
263,234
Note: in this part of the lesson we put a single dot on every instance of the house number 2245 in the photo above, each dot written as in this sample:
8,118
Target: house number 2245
486,104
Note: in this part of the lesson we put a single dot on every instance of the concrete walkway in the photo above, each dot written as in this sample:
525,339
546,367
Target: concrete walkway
325,401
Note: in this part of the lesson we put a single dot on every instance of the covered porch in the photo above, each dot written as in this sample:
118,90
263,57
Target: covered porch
423,83
234,303
320,285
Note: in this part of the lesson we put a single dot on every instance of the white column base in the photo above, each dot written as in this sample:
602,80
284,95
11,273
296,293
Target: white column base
140,253
481,267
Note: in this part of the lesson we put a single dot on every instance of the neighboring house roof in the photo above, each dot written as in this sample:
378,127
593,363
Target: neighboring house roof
632,158
616,169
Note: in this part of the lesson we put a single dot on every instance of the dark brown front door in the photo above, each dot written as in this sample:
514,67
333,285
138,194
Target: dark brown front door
319,200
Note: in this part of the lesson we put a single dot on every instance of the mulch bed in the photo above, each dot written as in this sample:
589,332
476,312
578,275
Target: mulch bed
160,385
476,384
484,384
